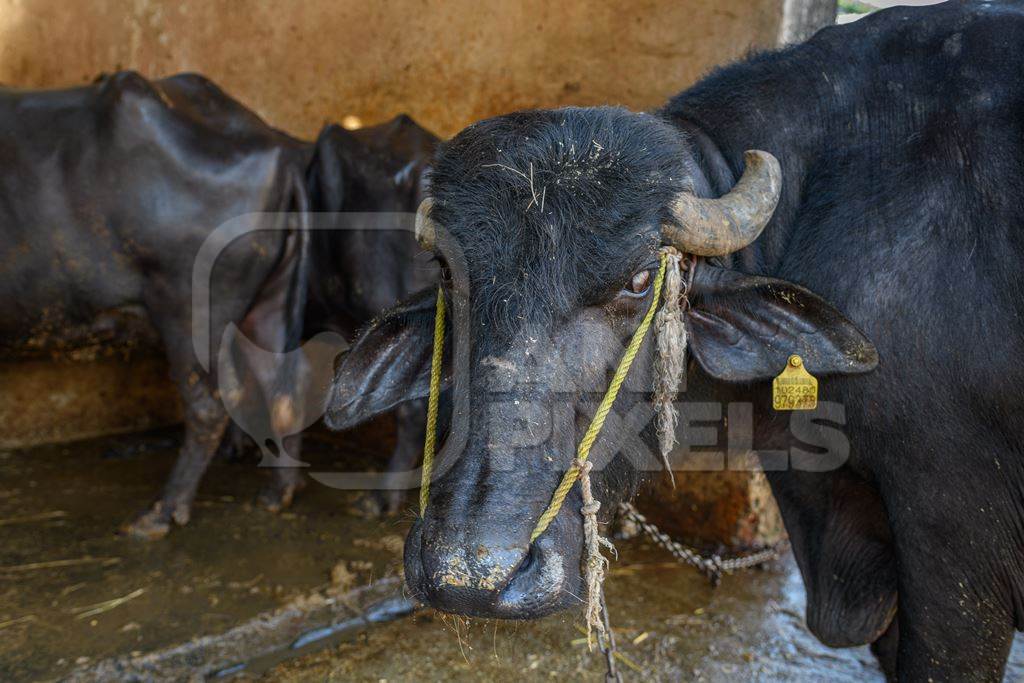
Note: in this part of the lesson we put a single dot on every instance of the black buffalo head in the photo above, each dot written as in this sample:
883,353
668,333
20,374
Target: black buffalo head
550,224
360,266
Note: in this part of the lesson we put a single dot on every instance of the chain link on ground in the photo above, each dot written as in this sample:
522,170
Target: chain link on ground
712,566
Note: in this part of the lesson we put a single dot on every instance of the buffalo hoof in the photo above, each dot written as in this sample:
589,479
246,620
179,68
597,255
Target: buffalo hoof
151,525
368,506
277,497
235,447
377,504
392,502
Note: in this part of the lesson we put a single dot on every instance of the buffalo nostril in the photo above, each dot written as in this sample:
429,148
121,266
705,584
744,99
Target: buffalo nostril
480,567
528,561
488,577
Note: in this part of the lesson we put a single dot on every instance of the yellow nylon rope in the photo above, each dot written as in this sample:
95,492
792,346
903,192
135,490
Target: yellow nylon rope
432,401
603,409
573,473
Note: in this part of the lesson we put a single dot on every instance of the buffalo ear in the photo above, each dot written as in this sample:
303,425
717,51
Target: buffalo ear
388,365
743,328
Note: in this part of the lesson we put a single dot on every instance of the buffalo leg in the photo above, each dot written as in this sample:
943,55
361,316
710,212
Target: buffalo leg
282,379
285,481
955,606
235,445
410,421
205,420
885,649
205,416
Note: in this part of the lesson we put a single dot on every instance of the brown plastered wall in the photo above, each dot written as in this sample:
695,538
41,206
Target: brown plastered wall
45,401
300,63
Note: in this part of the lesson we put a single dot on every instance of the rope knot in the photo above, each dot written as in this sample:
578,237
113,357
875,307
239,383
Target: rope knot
670,339
595,563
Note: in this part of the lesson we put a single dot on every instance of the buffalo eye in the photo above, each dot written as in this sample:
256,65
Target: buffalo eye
639,284
446,273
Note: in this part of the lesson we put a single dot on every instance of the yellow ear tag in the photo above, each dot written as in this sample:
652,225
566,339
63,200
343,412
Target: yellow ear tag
795,388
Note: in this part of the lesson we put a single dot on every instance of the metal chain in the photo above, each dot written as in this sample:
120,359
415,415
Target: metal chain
712,566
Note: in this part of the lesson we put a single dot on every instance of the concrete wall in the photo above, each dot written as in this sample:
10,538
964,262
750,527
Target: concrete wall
300,63
43,401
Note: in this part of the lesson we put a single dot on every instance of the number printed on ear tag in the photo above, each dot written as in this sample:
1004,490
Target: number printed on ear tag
795,388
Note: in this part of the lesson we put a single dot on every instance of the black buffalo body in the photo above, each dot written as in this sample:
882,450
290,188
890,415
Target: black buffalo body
108,195
364,185
900,139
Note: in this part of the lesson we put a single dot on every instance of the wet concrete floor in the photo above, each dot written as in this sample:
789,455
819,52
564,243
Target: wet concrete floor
73,592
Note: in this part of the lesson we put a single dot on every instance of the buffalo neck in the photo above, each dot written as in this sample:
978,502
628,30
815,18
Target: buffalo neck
761,103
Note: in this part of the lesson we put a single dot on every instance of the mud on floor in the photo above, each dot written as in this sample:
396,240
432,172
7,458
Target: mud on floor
73,592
